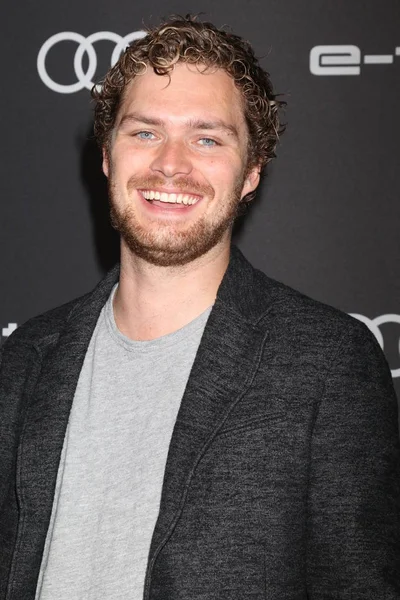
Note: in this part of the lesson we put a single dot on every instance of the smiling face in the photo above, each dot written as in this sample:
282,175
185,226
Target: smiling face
177,164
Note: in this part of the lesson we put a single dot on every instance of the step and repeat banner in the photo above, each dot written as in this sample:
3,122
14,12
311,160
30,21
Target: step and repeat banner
327,217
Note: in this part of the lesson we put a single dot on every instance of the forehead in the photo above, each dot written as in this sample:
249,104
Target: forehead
188,90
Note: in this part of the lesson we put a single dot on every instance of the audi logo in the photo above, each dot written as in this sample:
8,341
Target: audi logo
85,46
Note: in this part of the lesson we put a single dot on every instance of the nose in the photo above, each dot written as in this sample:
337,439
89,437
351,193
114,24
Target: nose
172,159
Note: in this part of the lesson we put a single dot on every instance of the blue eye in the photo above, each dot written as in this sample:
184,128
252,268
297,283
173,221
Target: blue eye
208,142
145,135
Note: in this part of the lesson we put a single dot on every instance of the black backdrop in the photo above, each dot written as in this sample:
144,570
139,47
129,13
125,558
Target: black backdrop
327,217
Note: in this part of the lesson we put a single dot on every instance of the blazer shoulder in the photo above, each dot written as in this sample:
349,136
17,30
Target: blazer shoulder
296,311
45,326
310,332
265,302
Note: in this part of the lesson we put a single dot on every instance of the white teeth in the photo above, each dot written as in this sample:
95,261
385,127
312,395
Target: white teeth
169,198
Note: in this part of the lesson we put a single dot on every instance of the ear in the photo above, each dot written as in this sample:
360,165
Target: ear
106,162
252,180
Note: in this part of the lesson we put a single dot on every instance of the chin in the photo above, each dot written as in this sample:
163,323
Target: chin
180,249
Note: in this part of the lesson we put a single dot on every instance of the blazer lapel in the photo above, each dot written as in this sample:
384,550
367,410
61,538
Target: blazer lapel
224,368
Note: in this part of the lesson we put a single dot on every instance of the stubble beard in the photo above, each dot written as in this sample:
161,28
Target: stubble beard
168,246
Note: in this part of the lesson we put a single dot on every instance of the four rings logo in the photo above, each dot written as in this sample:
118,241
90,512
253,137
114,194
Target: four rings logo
372,324
345,60
85,46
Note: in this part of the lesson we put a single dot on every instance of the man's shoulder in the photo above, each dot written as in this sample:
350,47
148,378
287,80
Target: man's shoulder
295,311
45,326
263,300
309,330
286,298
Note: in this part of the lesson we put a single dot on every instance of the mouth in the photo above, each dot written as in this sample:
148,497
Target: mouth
177,199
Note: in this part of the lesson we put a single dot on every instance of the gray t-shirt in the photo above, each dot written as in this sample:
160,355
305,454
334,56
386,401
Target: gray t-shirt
113,460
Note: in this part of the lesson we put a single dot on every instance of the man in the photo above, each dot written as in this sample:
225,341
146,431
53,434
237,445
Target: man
192,429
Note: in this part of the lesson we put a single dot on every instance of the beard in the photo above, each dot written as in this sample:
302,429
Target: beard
165,244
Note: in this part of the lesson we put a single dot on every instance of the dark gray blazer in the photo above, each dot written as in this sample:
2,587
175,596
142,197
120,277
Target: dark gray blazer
283,474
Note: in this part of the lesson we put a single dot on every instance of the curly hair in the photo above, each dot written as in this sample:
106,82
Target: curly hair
185,39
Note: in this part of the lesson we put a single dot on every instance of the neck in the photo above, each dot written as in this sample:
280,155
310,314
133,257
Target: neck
152,301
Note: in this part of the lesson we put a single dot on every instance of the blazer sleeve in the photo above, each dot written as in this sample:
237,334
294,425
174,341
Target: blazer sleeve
353,526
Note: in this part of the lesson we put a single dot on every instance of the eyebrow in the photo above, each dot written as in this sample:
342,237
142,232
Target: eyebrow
215,124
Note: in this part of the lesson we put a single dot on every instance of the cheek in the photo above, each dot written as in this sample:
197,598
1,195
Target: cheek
125,163
222,172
